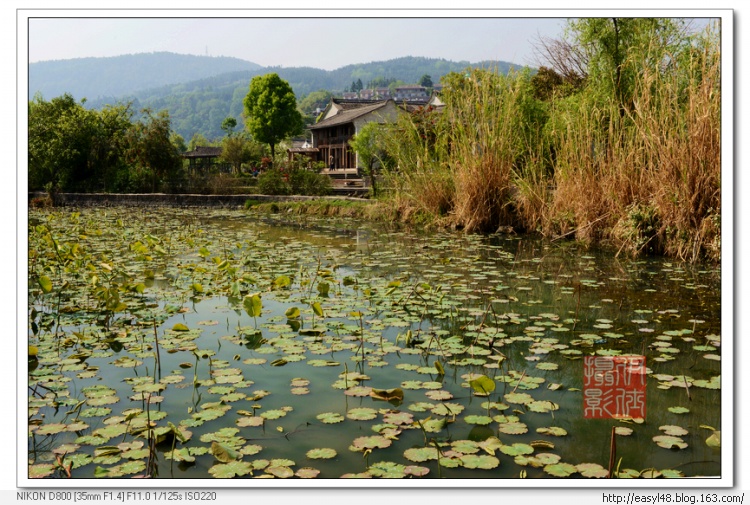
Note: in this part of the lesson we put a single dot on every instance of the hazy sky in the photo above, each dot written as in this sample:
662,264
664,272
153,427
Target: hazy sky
326,43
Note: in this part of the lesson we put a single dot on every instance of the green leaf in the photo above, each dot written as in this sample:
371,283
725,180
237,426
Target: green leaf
317,309
45,283
223,452
678,410
253,305
323,453
482,385
387,394
281,282
441,370
230,470
180,327
292,313
101,472
323,288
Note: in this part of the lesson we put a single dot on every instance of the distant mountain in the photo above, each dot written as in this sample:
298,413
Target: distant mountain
94,78
200,91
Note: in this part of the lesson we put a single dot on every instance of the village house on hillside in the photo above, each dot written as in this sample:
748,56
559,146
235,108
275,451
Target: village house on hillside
341,120
412,93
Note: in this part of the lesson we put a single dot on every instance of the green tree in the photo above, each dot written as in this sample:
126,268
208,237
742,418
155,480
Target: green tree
425,81
228,125
178,142
368,145
271,111
616,50
106,158
313,101
238,149
198,140
74,148
150,150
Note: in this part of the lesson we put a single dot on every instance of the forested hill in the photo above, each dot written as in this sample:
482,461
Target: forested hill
96,78
200,91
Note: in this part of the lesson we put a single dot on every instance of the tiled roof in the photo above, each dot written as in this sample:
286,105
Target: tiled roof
345,104
203,152
349,115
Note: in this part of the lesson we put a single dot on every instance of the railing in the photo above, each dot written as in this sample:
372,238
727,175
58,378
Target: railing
327,141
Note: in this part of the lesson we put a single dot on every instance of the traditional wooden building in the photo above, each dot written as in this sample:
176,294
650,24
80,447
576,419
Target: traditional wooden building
341,120
204,158
302,148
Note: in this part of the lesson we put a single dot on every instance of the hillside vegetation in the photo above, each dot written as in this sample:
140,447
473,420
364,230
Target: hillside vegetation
198,92
104,80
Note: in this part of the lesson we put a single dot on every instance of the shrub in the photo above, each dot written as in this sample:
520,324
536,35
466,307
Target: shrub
273,182
305,182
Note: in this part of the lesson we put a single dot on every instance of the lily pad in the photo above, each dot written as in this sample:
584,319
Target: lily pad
560,469
324,453
592,470
231,470
670,442
362,414
554,431
371,442
678,410
421,454
307,473
330,417
513,428
481,461
517,449
676,431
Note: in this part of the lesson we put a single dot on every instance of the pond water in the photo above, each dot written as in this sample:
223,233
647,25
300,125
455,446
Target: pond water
217,343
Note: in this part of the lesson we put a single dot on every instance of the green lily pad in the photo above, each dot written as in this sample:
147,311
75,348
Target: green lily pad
307,473
678,410
273,414
128,468
324,453
482,385
41,470
371,442
362,414
517,449
479,461
518,398
421,454
465,446
676,431
560,469
231,470
513,428
554,431
592,470
448,409
246,422
670,442
478,419
330,417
